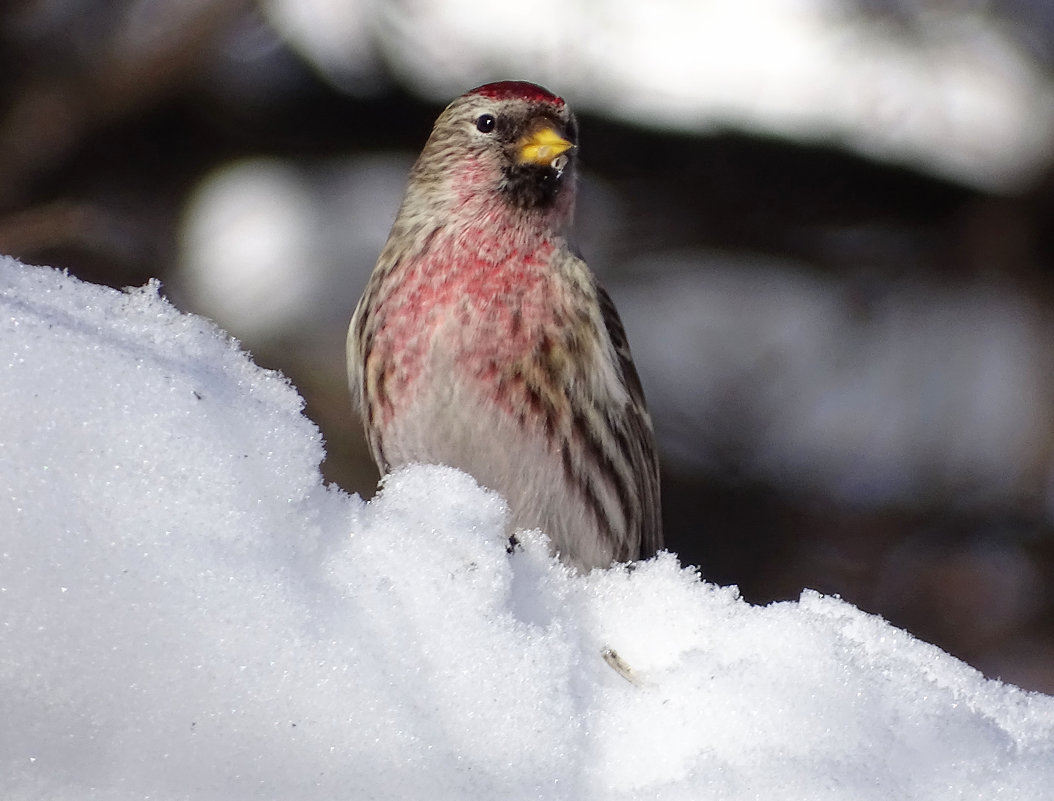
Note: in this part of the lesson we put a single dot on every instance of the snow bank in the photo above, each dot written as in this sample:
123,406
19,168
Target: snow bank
187,612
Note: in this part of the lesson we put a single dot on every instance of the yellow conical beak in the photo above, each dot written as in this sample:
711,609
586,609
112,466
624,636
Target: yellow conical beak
542,146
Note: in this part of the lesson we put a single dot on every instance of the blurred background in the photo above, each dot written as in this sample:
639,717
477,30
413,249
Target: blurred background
828,225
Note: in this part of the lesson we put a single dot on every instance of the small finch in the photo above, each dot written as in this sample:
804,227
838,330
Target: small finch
484,343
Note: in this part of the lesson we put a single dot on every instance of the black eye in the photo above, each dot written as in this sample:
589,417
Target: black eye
485,123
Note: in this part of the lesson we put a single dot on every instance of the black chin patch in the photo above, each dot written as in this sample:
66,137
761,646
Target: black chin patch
533,186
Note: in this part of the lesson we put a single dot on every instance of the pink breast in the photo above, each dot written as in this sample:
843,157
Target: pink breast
487,307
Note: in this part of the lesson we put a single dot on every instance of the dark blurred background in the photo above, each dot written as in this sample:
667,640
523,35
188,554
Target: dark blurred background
829,227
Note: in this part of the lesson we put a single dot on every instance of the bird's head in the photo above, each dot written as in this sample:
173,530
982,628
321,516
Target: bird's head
511,142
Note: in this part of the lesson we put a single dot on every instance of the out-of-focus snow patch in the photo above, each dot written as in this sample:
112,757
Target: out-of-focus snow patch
923,390
269,248
188,612
247,251
941,87
335,36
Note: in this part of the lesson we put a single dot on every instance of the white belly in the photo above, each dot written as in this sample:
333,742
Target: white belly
447,422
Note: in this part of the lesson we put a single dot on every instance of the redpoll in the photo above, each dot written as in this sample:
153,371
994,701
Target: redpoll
483,342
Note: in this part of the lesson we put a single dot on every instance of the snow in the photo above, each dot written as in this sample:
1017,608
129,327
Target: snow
266,246
807,391
187,611
947,88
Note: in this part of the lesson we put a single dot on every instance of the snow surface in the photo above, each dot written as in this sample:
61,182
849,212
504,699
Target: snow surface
188,612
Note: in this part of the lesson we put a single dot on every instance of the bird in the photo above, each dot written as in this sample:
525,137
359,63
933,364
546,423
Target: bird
484,342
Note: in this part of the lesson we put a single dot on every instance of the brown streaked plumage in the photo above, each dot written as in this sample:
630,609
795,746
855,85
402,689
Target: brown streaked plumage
483,342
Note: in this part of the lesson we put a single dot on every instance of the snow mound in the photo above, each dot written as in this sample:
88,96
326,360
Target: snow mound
188,612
